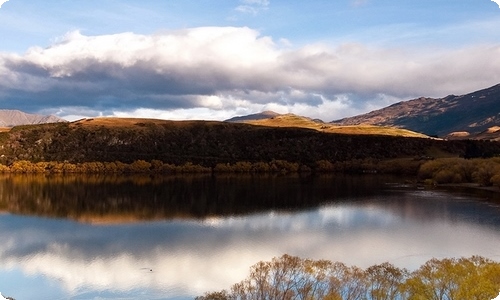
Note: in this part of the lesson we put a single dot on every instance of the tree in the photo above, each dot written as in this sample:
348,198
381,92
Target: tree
289,277
454,279
385,281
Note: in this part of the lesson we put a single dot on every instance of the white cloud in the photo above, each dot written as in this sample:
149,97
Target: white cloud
253,6
2,2
497,2
217,71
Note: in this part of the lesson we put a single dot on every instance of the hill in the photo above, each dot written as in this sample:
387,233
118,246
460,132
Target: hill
211,143
469,114
272,119
258,116
11,118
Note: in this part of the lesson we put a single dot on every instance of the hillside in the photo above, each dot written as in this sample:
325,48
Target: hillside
468,114
272,119
258,116
11,118
210,143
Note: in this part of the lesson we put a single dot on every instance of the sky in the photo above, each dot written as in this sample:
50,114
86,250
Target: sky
215,59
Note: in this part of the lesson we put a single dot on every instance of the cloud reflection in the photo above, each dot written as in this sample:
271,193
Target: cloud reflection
186,258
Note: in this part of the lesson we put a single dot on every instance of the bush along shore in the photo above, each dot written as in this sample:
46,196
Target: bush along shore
481,171
396,166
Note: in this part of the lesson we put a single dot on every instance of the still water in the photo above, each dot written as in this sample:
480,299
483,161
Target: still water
177,237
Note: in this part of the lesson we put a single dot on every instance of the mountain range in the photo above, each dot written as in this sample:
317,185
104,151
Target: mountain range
471,116
474,115
11,118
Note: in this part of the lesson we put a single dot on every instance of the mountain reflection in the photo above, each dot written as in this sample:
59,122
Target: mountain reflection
203,233
183,258
128,198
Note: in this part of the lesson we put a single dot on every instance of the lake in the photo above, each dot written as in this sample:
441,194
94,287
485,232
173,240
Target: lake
176,237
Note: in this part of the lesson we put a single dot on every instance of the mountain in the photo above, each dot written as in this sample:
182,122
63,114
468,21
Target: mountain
11,118
463,116
258,116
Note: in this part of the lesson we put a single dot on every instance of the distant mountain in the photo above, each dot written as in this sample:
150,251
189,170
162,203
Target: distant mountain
272,116
11,118
259,116
462,116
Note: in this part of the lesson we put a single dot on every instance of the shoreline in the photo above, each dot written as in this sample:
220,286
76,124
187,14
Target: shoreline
475,186
488,193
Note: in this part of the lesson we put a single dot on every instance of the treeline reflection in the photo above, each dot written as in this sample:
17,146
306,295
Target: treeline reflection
135,197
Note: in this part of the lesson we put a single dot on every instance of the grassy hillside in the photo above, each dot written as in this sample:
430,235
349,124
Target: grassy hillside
210,143
290,120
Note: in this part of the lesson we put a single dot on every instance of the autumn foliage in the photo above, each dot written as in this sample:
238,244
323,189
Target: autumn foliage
485,172
290,277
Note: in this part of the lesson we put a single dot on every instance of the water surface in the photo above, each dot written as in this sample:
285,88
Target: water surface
177,237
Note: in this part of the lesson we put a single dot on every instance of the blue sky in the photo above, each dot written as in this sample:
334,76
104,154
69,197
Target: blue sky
213,59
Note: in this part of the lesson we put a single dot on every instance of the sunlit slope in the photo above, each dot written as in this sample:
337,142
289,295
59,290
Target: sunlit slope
286,120
291,120
491,134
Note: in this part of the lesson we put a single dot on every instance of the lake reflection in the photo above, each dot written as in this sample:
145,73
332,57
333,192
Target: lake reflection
177,237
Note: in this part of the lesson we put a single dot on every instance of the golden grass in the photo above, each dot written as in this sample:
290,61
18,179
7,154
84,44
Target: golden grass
130,122
493,129
115,122
290,120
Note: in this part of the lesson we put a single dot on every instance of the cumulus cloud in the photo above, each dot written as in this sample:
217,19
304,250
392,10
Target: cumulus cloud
497,2
2,2
218,71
